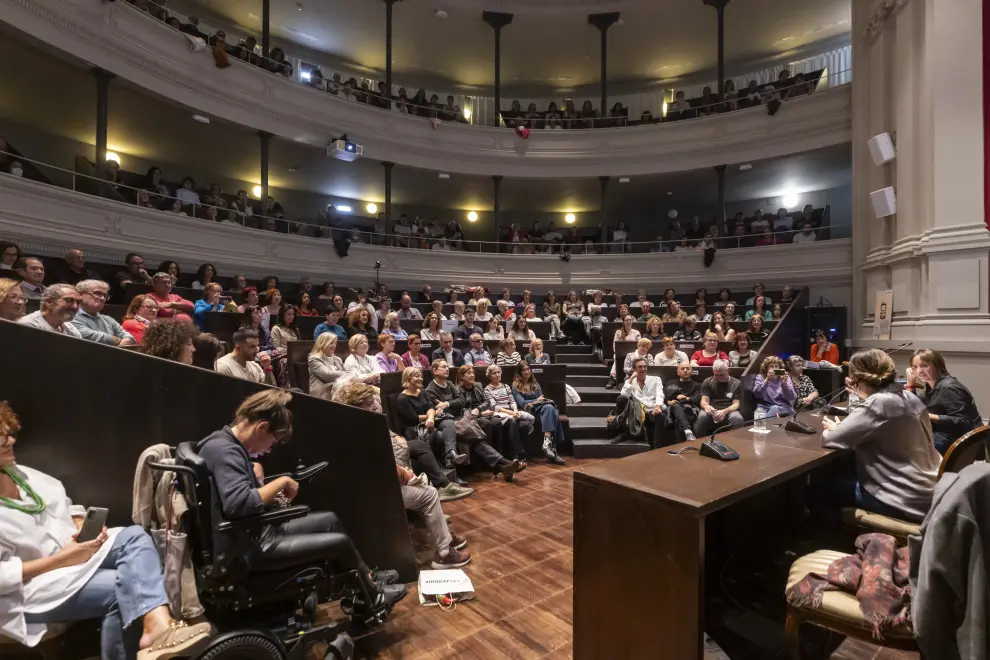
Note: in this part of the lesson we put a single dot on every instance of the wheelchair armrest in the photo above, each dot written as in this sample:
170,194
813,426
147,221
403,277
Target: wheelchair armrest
301,473
267,518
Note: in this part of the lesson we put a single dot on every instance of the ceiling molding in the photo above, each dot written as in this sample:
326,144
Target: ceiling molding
150,55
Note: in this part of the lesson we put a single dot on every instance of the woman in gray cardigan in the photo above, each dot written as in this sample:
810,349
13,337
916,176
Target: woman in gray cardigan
324,366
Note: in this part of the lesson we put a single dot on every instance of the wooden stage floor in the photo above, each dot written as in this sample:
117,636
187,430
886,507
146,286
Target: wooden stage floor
519,535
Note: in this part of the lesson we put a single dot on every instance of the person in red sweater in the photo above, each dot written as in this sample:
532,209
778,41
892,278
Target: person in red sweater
170,305
709,353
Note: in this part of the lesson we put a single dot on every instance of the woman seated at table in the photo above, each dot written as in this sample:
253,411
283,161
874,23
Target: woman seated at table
896,460
536,354
359,365
951,406
755,330
721,328
494,330
431,327
654,330
807,393
324,365
529,397
823,350
521,331
210,302
387,359
392,327
47,577
284,329
741,354
669,356
774,392
508,356
413,357
688,330
709,352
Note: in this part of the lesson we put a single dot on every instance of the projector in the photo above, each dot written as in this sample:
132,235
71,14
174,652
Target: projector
344,149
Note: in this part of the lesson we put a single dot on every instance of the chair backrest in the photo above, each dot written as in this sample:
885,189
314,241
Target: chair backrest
965,451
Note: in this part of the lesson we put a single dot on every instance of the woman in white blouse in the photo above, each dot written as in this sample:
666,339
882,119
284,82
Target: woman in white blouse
324,365
521,330
458,313
670,356
494,330
431,328
48,577
482,314
437,306
359,365
626,333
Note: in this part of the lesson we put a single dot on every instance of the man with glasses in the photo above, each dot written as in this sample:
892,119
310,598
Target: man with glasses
59,305
719,401
477,356
91,324
135,271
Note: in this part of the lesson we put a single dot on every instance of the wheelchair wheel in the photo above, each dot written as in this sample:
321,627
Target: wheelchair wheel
242,646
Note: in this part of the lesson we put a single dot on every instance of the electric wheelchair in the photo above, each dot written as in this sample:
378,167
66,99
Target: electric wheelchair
261,613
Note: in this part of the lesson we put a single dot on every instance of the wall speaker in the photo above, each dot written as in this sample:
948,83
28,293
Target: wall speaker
884,202
882,148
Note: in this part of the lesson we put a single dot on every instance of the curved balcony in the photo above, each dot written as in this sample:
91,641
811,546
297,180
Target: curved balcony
131,44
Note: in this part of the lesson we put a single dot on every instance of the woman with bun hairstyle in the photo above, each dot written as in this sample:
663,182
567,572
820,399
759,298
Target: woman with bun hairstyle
896,460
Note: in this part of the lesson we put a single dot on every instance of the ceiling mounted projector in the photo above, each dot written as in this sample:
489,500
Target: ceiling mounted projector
344,149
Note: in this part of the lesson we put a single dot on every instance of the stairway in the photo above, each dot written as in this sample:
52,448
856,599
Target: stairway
587,419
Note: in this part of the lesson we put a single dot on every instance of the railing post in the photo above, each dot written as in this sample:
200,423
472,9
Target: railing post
388,193
266,24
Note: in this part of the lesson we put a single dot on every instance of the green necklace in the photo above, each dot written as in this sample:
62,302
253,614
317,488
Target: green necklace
38,504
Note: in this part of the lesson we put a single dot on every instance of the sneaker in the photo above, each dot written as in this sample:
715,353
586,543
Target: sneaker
610,385
551,453
689,436
453,458
450,559
456,542
509,470
383,578
418,480
452,492
386,597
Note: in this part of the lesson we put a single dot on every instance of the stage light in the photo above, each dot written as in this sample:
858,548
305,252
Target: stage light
467,114
372,208
114,157
256,191
472,216
344,208
570,218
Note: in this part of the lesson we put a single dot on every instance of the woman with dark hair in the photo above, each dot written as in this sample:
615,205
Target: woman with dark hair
502,430
529,397
359,323
759,309
572,324
172,269
326,293
724,297
551,314
669,296
252,318
204,275
271,305
521,331
305,306
721,328
823,350
896,461
277,63
773,389
741,354
755,330
153,183
270,282
285,328
187,193
207,348
171,339
250,298
10,254
210,302
431,327
951,407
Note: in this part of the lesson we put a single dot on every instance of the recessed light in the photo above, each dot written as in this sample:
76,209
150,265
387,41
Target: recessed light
444,175
201,119
624,179
669,193
256,191
441,14
570,218
299,6
745,167
114,157
372,208
472,216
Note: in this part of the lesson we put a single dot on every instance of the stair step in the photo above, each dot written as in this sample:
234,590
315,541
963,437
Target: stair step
590,409
595,394
576,358
586,370
574,349
578,381
586,427
601,448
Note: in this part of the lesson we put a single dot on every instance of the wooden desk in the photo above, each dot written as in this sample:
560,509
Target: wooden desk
639,539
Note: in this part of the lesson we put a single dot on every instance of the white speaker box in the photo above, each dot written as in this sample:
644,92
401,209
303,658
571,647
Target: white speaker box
884,202
882,148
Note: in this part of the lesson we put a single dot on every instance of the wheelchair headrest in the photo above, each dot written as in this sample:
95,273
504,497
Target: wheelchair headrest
186,454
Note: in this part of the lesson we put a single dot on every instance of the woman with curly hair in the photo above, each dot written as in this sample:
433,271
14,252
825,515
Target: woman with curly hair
359,323
774,391
171,339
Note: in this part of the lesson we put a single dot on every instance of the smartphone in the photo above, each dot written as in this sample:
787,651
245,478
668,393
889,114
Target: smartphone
96,519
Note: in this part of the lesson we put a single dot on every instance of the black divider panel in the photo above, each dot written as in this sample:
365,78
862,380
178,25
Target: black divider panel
222,324
787,336
306,325
825,380
88,430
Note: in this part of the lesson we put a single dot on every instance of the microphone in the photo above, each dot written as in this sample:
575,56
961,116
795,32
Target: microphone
712,448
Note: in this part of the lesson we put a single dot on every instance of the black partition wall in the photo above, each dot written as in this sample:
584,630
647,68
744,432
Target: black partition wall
88,411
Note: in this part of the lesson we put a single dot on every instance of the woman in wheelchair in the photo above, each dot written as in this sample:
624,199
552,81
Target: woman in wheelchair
46,576
262,421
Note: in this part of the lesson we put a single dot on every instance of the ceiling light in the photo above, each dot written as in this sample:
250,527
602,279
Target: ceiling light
256,191
372,208
344,208
114,157
467,113
472,216
790,199
624,179
441,14
444,175
201,119
570,218
669,193
745,167
299,6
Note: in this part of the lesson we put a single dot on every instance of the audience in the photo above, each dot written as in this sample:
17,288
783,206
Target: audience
807,393
755,330
73,269
91,324
536,354
246,361
134,272
720,402
32,274
646,396
331,325
10,254
418,409
413,357
626,333
508,356
741,354
529,397
359,324
204,275
284,329
477,356
170,305
325,368
388,361
359,365
683,401
951,407
59,305
391,326
643,346
774,392
12,300
210,302
669,356
495,330
171,339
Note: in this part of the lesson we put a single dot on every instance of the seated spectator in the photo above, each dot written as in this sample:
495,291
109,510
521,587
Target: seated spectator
305,306
774,392
359,323
59,305
719,401
508,356
277,63
468,328
32,274
171,339
154,183
10,254
246,361
798,87
384,309
271,307
529,397
674,313
361,303
331,325
416,406
647,307
724,297
437,308
553,118
172,268
669,356
595,322
388,361
721,328
536,354
477,356
684,402
768,238
327,291
391,326
786,295
572,324
758,290
494,329
688,330
262,421
680,108
359,365
431,327
141,312
284,330
951,406
777,312
643,346
325,368
694,232
752,94
896,461
215,196
12,300
758,225
502,429
625,333
654,329
186,193
810,215
824,350
406,310
521,331
170,305
210,302
646,392
73,270
701,314
91,324
204,275
413,357
116,577
709,353
806,235
481,314
783,223
755,330
807,393
251,299
730,313
458,313
741,354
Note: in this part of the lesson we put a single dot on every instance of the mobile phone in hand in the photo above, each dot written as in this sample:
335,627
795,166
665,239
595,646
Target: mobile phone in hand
96,519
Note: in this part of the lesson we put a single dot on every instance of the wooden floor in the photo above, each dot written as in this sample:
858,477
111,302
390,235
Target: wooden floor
519,535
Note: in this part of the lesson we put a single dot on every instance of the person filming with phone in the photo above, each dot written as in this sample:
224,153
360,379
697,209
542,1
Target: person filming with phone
773,389
59,564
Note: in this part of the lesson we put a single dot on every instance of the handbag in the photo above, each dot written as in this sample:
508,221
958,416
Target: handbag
535,407
467,428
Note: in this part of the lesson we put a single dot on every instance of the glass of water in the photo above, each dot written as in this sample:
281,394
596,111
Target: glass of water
760,421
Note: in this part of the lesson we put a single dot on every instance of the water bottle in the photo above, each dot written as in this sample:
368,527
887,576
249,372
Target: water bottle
760,423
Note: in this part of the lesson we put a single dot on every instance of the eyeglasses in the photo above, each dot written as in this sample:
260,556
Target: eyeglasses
98,294
16,299
72,301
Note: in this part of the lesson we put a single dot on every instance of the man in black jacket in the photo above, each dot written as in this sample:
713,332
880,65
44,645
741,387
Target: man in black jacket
684,400
452,356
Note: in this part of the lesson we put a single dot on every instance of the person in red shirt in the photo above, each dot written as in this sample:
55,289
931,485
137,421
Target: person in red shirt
140,313
305,306
170,305
709,353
